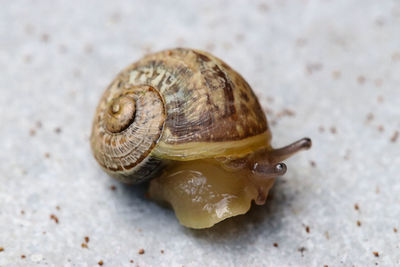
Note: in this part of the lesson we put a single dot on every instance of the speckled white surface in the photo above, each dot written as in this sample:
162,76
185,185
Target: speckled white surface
334,63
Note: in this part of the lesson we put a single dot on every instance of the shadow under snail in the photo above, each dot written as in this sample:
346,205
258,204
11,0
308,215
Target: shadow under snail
190,123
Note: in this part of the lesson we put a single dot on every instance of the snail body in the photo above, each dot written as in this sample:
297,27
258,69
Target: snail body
174,115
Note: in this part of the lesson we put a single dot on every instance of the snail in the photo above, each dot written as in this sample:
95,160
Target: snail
192,126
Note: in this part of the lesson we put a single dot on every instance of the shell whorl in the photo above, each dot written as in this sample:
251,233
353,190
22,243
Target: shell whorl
179,104
129,123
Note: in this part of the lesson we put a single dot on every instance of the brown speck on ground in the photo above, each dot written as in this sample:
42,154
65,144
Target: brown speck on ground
312,163
270,99
147,48
325,265
313,67
113,187
394,137
239,37
87,239
44,233
141,251
301,250
380,99
58,208
381,128
380,22
22,212
1,249
32,132
327,235
356,207
227,45
88,48
347,155
47,155
62,49
370,117
286,112
307,229
180,41
28,59
361,79
162,251
54,218
115,17
44,37
210,46
76,73
23,256
376,254
336,74
84,245
29,29
395,229
377,190
358,223
263,7
333,130
276,245
100,262
378,82
131,261
39,124
300,42
321,129
58,130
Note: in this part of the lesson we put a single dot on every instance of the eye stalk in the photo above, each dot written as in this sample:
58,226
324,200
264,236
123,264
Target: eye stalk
270,171
283,153
267,163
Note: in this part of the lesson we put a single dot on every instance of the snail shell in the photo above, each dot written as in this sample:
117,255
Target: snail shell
178,104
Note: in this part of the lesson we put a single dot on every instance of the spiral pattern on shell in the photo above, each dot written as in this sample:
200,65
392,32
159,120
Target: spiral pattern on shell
129,124
178,104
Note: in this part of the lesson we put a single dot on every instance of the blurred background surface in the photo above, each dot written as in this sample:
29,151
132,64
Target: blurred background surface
327,69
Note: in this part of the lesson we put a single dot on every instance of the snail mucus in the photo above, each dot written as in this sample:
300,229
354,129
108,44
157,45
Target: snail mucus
190,124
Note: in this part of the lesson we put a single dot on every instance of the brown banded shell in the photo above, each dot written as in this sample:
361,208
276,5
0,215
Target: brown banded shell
198,107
